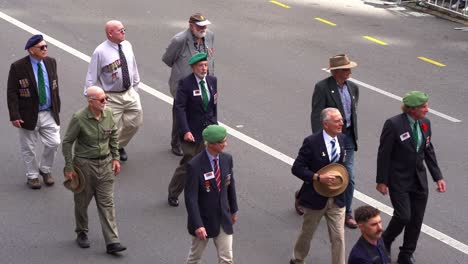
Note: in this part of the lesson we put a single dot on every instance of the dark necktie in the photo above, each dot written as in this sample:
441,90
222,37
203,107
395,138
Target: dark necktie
124,67
416,134
41,82
334,153
204,95
217,174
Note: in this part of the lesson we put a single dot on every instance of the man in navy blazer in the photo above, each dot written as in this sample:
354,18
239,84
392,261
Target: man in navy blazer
405,144
195,109
315,153
210,197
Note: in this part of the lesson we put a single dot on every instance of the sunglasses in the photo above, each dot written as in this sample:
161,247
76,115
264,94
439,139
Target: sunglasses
43,47
102,100
122,30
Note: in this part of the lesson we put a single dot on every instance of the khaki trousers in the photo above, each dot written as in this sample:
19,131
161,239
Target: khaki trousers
223,244
177,184
335,217
49,133
99,183
127,114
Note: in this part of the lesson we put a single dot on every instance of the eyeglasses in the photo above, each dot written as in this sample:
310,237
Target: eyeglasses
42,47
122,30
102,100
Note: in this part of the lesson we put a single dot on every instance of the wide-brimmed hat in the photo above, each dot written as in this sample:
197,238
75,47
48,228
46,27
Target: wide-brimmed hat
341,61
340,183
75,184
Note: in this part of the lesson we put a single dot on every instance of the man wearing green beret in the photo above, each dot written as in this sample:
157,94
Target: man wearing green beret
195,109
210,197
405,143
195,39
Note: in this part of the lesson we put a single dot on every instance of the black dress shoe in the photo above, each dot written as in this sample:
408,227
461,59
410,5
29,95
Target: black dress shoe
406,259
82,240
114,248
123,154
173,201
177,151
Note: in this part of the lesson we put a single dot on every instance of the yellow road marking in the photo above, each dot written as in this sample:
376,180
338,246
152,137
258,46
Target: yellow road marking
325,21
280,4
432,61
376,40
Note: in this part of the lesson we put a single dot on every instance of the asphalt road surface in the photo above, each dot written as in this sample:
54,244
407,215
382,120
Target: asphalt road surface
268,58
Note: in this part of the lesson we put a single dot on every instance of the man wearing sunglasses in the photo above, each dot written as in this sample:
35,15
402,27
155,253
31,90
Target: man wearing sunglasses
90,147
34,105
197,38
113,67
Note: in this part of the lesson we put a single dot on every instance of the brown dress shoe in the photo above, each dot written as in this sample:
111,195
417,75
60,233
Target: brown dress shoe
34,184
350,222
48,180
299,208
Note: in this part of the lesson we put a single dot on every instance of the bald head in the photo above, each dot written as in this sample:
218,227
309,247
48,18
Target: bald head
115,31
94,92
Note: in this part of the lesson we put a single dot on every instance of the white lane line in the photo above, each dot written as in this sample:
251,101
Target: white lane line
398,98
241,136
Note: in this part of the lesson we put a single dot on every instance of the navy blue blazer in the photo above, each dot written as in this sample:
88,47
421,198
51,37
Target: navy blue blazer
399,165
190,115
312,157
206,206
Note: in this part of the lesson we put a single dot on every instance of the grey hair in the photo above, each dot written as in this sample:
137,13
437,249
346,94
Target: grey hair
325,114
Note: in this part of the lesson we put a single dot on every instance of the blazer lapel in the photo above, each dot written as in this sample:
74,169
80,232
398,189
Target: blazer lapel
335,94
323,149
206,165
407,128
190,43
32,77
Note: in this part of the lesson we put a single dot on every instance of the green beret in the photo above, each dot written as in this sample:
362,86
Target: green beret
415,98
214,133
198,57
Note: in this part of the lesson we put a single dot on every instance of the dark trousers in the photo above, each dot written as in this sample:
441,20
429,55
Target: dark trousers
349,164
408,214
177,184
175,137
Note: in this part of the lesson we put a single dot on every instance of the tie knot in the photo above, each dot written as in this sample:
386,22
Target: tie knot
120,46
215,160
333,141
202,82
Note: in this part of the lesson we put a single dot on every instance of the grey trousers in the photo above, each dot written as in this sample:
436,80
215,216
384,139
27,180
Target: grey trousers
177,184
99,179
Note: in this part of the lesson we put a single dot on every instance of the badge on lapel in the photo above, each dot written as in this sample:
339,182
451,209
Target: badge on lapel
404,136
54,84
196,92
24,83
208,176
428,141
215,98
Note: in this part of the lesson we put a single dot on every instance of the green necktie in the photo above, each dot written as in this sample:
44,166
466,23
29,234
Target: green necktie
204,95
42,91
416,134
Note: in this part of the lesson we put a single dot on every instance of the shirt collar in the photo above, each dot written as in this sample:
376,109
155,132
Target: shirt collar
198,79
211,157
33,60
327,137
90,114
411,120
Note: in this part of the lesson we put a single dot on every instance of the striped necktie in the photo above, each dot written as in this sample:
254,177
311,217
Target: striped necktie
334,153
217,174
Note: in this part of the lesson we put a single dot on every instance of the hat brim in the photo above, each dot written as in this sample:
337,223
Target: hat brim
350,65
340,184
81,181
203,23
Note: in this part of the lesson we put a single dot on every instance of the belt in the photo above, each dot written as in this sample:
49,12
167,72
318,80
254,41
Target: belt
44,110
97,158
123,91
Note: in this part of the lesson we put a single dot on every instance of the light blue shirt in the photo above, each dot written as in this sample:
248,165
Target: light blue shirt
211,157
346,101
48,103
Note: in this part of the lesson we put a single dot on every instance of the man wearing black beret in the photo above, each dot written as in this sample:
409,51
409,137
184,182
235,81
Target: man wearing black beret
34,106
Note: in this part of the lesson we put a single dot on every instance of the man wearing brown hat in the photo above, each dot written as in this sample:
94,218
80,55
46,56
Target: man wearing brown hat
210,198
34,105
197,38
405,145
91,145
195,109
338,92
322,191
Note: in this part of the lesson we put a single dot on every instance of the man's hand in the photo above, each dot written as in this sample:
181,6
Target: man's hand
116,167
382,188
189,137
201,233
234,218
17,123
327,178
69,174
441,186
